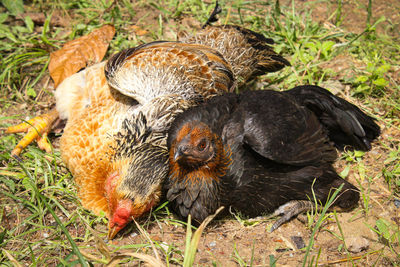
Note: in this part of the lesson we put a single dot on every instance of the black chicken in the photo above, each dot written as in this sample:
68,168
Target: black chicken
257,151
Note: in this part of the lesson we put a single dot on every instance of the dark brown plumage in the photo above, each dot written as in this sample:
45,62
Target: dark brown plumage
259,150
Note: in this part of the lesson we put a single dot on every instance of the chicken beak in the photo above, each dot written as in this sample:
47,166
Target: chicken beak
112,232
181,151
178,155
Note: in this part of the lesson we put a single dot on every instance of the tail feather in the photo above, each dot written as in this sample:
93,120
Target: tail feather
213,17
347,124
328,182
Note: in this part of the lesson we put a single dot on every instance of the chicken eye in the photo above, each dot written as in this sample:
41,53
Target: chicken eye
202,145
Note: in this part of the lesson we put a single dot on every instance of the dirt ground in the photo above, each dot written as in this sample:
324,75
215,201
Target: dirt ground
354,14
223,238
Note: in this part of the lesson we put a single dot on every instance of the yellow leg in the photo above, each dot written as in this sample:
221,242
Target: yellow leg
36,128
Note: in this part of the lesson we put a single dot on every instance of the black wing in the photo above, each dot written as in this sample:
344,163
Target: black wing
346,123
278,129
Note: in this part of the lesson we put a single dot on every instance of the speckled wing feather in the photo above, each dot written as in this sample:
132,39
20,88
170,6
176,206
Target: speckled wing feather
279,129
249,53
191,71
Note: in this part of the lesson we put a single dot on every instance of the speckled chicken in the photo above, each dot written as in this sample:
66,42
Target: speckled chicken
260,150
118,112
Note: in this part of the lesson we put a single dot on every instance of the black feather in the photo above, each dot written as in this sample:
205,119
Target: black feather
213,17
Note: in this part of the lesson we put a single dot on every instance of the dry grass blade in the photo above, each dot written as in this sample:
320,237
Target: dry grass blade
100,244
79,53
94,258
9,173
190,252
347,259
11,258
152,261
145,234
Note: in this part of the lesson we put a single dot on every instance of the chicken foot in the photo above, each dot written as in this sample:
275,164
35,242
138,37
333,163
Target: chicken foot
289,210
36,128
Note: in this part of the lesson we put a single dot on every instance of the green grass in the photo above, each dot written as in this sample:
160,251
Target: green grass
41,219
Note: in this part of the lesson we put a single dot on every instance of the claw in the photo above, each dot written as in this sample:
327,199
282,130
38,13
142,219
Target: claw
36,128
289,210
43,143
